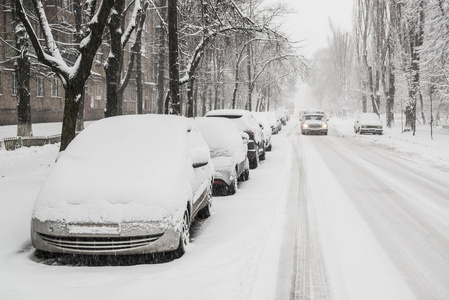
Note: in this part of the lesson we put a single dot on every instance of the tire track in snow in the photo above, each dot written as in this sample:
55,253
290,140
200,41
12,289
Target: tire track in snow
310,278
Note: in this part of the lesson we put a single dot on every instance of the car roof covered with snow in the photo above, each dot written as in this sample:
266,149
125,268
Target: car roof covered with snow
222,137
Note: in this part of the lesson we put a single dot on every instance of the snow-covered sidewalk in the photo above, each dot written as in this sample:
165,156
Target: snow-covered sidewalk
433,151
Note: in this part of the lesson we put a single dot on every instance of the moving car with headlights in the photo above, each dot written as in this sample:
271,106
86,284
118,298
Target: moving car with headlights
245,121
125,185
368,123
314,124
228,149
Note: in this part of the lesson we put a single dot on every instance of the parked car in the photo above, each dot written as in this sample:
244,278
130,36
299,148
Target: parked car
368,123
282,116
267,129
245,121
276,124
228,151
314,124
125,185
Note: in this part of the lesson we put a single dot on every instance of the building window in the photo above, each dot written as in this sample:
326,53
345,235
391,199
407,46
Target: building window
0,83
40,86
55,87
13,84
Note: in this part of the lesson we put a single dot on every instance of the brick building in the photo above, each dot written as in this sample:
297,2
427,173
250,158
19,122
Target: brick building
47,92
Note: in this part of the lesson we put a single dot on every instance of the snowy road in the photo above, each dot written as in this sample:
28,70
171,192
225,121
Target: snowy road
381,218
323,217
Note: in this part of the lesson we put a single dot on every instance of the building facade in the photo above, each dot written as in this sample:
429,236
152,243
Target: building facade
46,90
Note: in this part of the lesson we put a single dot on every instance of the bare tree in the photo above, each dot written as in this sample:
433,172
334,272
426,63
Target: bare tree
74,76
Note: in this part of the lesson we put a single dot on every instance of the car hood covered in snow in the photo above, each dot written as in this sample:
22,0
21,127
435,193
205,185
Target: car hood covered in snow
122,169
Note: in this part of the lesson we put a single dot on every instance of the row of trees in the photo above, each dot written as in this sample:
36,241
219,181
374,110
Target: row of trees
395,59
222,53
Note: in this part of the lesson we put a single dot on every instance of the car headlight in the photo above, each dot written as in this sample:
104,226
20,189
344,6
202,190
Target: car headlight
324,125
379,127
305,125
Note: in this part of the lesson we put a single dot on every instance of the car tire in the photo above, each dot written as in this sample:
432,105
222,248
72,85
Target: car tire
184,236
206,211
355,130
244,176
262,156
254,163
233,187
269,147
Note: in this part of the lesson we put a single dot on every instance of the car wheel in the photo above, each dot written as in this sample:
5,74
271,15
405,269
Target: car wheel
269,147
184,236
233,187
205,212
355,130
262,156
254,163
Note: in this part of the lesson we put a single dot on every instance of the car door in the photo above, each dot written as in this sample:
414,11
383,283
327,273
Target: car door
202,168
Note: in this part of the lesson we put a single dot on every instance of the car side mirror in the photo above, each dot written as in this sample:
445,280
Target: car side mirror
200,157
199,164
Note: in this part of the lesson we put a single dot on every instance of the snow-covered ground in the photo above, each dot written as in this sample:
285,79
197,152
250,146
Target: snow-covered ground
234,254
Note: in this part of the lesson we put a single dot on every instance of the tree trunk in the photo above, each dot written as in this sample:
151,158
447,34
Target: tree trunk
249,103
190,110
173,62
71,106
161,60
139,83
113,66
80,116
390,97
22,77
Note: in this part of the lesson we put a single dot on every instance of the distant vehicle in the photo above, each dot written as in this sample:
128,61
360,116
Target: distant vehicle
368,123
267,128
314,124
125,185
228,150
245,121
282,115
311,111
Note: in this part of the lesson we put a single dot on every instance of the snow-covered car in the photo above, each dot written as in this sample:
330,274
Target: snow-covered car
314,124
368,123
282,116
267,129
245,121
125,185
228,150
276,124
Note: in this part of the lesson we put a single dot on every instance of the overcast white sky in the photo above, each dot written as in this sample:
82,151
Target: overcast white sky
309,20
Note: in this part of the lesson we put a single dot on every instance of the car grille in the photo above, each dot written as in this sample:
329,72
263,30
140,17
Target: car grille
314,126
93,244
